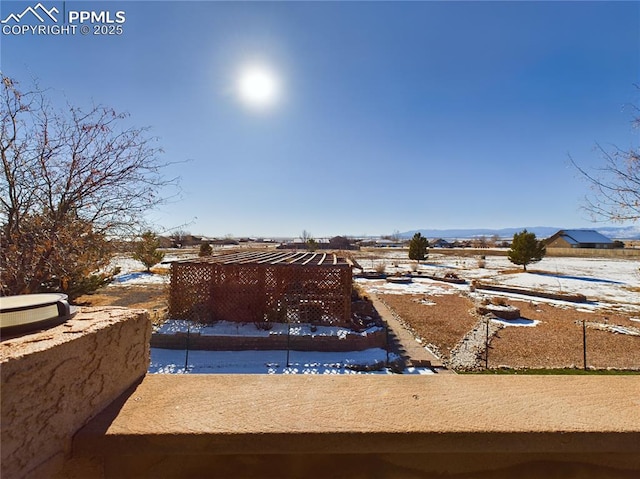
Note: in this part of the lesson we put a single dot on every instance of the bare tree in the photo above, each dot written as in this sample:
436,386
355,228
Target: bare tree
494,241
480,242
67,170
615,187
178,237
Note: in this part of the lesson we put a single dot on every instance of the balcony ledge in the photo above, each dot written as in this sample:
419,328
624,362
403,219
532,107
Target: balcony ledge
437,424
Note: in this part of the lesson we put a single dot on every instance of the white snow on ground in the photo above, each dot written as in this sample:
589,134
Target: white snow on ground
268,362
607,283
126,264
249,362
516,322
228,328
133,272
417,286
139,277
599,279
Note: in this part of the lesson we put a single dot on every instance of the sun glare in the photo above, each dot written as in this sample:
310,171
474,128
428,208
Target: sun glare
258,87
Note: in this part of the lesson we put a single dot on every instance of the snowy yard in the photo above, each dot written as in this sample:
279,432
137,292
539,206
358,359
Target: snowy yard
227,328
608,284
612,286
368,361
270,362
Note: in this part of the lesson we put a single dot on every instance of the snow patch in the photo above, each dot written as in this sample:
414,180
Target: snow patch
516,322
169,361
229,328
608,283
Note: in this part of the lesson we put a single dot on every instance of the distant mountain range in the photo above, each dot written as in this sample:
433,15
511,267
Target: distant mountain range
621,232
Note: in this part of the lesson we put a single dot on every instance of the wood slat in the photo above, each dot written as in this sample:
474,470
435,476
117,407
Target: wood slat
313,255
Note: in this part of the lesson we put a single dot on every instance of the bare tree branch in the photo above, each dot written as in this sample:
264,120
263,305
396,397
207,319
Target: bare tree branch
615,187
70,180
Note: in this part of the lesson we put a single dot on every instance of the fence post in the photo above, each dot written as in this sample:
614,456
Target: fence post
186,356
288,338
486,346
584,344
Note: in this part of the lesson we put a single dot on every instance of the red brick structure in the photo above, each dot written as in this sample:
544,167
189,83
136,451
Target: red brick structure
258,286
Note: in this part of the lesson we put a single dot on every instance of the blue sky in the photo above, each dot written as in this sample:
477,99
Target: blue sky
392,115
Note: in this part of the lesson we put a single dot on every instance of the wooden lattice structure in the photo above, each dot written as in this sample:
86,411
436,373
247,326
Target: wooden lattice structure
283,286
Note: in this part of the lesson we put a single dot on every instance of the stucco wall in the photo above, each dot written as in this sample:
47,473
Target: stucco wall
54,381
394,426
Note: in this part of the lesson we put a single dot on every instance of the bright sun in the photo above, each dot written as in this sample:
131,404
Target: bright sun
258,87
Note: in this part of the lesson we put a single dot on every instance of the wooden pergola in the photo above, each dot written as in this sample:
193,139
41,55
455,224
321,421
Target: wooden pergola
259,286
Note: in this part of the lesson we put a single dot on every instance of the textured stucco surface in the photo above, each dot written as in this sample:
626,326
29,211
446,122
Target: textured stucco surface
54,381
276,426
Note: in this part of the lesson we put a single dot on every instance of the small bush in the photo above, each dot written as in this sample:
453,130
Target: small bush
205,250
146,250
357,293
84,285
380,268
277,314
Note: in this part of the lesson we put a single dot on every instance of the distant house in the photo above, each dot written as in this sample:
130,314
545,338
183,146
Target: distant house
180,241
580,239
441,243
341,242
337,242
389,243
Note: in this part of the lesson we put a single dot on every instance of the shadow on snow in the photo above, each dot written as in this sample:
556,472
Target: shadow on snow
579,278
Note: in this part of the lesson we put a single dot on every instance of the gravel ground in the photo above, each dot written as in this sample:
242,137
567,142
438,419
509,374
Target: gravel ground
441,321
470,352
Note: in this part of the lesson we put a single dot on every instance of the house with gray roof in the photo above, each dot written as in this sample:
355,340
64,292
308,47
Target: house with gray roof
579,239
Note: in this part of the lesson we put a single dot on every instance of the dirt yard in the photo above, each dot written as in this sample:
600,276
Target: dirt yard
152,297
555,342
441,323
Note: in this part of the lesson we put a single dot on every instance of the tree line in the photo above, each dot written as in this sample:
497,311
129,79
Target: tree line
525,248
